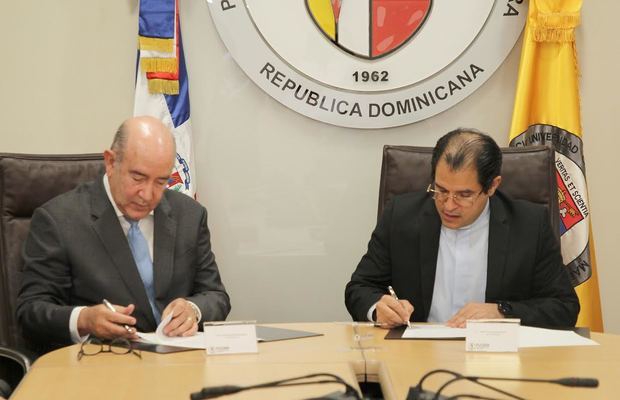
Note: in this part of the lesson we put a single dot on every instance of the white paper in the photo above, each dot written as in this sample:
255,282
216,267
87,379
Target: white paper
528,336
160,328
430,331
159,337
539,337
194,342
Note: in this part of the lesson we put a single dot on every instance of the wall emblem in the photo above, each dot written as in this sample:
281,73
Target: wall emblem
368,28
369,63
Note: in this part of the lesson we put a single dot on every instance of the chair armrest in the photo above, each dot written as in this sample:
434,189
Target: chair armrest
19,357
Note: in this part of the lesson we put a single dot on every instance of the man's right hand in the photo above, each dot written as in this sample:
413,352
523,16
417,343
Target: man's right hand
392,312
106,324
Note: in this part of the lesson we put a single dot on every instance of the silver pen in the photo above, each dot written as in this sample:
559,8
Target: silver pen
110,307
393,294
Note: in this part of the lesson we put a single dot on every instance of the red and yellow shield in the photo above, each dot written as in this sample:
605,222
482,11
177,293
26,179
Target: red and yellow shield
369,28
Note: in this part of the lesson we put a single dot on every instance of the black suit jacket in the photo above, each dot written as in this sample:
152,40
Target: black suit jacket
77,254
524,261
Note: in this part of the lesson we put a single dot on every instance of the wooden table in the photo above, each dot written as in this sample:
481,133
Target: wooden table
398,364
354,352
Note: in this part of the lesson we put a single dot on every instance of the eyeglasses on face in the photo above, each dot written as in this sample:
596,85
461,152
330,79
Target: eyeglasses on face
463,199
94,346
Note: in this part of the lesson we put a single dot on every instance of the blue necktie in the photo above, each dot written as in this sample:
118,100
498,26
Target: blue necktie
140,251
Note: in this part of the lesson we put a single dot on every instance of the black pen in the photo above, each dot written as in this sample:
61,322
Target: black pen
393,294
110,307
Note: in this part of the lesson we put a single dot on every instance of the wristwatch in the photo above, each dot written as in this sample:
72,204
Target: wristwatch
505,308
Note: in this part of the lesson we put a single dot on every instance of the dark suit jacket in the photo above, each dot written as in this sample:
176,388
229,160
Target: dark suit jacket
77,254
524,261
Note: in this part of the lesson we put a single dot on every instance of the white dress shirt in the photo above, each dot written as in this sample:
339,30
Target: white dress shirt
461,274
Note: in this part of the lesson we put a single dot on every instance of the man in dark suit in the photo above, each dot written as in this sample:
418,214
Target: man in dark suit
123,237
462,250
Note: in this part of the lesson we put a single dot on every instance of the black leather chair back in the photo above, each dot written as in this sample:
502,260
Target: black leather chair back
26,182
528,173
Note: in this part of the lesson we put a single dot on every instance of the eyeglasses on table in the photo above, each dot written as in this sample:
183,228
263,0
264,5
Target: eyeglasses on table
119,346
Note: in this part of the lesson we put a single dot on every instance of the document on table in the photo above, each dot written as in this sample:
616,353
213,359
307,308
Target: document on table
432,331
159,337
539,337
528,336
198,341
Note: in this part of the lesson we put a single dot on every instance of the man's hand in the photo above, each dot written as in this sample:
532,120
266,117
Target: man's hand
106,324
392,312
474,311
183,321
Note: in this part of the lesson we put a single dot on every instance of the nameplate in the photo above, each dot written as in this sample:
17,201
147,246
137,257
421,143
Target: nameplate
230,337
492,335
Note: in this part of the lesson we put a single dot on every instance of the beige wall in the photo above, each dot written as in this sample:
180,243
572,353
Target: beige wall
292,201
66,75
599,57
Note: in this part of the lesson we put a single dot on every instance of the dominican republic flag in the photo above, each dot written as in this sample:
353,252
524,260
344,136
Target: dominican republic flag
162,85
547,112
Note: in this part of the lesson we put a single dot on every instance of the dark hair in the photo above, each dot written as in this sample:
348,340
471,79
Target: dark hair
119,143
463,147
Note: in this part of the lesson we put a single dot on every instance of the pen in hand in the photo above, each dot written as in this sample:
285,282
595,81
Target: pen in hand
393,294
110,307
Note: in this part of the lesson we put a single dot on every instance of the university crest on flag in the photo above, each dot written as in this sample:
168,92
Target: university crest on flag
369,28
547,112
570,213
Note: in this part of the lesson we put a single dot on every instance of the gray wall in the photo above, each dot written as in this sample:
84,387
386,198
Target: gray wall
292,201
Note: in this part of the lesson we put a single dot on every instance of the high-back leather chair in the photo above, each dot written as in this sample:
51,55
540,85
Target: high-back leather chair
528,173
26,182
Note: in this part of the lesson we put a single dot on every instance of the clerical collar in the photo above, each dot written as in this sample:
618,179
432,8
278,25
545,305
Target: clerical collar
482,219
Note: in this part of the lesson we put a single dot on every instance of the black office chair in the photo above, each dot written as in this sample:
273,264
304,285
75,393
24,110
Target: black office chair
26,182
528,173
13,366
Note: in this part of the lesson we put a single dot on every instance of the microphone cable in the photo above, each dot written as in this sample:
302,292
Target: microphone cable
570,382
217,391
475,380
418,393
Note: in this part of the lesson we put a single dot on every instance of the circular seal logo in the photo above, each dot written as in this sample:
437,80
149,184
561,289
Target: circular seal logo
368,32
369,63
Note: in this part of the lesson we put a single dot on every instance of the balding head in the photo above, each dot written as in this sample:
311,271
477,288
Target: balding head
139,164
145,131
466,147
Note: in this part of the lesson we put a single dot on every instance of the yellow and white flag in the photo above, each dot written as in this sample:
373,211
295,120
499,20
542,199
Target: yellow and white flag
547,112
